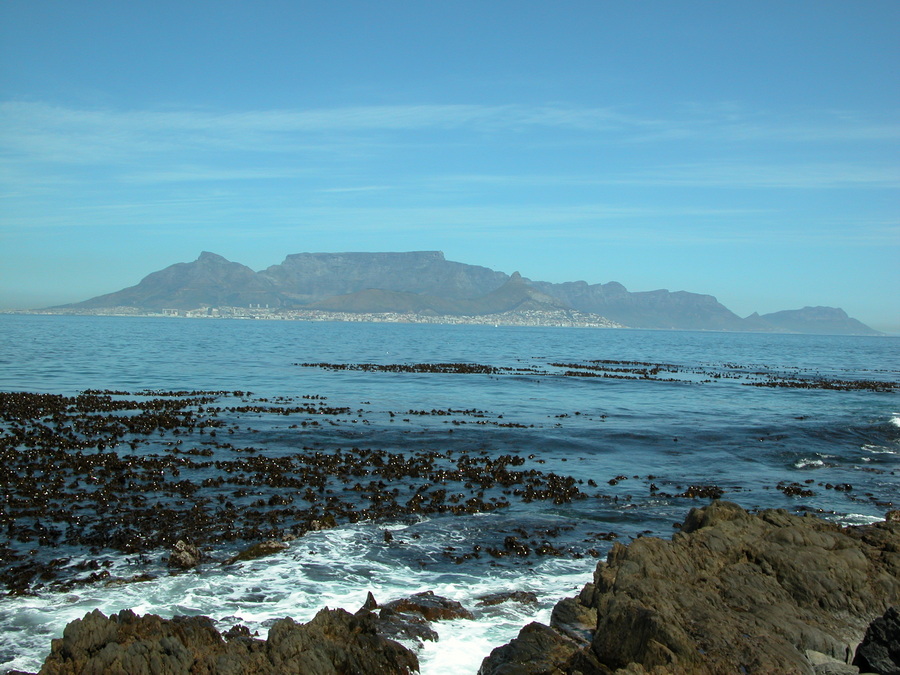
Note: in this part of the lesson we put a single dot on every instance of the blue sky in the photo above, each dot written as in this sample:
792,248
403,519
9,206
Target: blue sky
748,150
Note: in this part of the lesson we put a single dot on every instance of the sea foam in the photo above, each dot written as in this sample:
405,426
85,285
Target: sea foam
333,568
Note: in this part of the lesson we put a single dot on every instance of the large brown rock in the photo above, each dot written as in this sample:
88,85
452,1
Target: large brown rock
538,650
734,592
737,591
879,652
126,644
336,642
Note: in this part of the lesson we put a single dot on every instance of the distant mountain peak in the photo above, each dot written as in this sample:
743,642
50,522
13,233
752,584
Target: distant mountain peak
425,282
821,320
207,257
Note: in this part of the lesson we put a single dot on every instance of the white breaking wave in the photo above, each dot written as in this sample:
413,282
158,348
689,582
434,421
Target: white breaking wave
334,568
859,519
880,450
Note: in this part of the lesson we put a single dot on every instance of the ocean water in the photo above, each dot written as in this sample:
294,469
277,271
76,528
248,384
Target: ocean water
645,424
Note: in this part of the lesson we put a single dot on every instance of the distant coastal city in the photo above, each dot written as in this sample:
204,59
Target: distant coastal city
559,318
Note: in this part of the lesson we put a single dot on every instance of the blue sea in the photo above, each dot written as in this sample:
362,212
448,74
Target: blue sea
644,425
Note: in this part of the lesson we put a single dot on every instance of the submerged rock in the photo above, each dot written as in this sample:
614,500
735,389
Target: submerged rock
732,592
430,606
255,551
333,642
524,597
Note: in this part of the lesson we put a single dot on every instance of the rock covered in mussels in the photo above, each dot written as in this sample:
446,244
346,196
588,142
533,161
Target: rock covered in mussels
732,592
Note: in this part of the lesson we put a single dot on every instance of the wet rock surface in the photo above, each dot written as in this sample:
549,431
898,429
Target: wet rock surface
731,592
430,606
411,618
255,551
537,649
333,642
524,597
184,556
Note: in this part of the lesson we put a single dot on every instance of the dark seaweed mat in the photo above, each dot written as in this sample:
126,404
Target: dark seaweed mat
114,471
134,473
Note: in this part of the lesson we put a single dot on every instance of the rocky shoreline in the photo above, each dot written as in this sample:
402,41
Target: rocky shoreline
731,592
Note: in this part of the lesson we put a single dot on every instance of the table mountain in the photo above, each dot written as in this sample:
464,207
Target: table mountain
424,282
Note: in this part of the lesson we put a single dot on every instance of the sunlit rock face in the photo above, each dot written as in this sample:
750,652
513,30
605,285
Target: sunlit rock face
731,592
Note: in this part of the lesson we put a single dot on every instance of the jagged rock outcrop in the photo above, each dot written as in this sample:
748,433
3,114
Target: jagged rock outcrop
184,556
333,642
410,618
538,649
731,592
879,652
430,606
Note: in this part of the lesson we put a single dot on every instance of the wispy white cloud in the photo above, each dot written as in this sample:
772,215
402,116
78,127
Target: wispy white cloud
711,173
285,170
359,188
201,173
823,175
49,133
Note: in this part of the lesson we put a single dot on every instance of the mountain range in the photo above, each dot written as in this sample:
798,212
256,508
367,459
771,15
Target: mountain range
424,282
